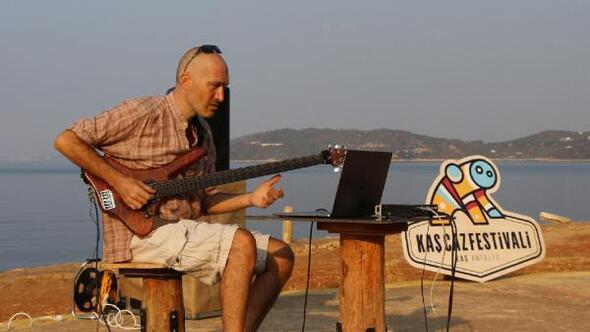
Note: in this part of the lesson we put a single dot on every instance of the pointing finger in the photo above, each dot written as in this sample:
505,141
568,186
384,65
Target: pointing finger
274,179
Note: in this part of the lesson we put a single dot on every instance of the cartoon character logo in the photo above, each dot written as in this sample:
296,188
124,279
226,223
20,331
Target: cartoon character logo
488,240
465,186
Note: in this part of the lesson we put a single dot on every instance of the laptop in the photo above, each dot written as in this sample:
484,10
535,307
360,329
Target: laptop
360,187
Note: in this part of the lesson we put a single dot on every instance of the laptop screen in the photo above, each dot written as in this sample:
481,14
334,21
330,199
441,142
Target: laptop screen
361,183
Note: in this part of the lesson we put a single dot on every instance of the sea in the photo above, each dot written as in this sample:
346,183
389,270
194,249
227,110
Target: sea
46,217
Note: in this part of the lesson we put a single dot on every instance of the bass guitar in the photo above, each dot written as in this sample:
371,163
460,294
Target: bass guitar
165,182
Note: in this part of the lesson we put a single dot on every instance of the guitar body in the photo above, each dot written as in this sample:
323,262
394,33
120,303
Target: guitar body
140,222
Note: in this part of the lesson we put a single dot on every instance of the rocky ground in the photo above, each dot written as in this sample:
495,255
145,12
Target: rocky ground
47,290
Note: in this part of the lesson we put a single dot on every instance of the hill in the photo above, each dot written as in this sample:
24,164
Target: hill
287,143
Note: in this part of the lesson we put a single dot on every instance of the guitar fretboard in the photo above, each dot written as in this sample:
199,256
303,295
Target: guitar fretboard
190,184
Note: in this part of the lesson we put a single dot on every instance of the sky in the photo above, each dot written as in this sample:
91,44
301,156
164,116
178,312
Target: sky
473,70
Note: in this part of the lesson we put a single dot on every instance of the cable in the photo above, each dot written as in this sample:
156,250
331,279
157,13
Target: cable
422,282
439,217
308,273
20,314
454,259
57,318
94,218
116,319
453,270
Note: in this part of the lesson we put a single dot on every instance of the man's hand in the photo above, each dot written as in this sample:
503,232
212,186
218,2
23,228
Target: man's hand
134,193
264,195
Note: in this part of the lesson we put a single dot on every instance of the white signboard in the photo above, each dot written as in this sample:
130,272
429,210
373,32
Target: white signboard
489,241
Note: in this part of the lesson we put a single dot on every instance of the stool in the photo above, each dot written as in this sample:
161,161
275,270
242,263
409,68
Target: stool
162,305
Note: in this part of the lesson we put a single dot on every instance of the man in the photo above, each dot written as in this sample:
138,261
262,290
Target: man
153,131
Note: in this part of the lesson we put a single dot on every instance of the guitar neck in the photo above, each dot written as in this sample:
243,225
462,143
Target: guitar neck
190,184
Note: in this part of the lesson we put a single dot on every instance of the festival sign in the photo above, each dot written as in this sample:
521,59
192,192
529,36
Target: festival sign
489,242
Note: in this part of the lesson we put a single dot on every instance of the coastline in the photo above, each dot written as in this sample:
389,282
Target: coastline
44,167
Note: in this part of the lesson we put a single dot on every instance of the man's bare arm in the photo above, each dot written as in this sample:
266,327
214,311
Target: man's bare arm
263,196
133,192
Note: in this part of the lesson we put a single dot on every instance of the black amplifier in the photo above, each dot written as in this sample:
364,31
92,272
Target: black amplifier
407,211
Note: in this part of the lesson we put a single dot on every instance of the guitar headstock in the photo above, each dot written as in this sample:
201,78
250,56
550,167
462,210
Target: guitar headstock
335,155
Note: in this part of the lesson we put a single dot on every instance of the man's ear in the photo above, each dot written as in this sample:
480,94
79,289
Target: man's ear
185,79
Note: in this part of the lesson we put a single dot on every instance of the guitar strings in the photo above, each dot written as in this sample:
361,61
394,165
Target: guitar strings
178,185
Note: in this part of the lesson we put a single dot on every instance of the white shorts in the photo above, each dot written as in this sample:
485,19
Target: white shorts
198,248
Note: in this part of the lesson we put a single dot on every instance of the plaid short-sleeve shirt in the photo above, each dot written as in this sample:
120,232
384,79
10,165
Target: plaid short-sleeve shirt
146,133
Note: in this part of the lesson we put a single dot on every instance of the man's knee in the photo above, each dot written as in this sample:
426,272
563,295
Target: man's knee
244,247
281,252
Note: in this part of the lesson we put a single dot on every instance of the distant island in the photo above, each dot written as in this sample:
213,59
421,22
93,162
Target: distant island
283,144
287,143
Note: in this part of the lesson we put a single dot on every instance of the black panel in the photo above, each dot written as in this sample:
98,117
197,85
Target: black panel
220,127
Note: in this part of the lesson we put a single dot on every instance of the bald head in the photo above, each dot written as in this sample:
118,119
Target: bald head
194,61
200,82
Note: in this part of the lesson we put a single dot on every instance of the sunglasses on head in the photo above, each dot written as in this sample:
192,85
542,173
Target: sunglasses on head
207,49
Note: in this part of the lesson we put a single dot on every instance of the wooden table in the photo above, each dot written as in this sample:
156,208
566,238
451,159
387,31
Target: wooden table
362,270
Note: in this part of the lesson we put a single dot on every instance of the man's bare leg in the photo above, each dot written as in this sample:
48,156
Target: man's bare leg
236,280
267,285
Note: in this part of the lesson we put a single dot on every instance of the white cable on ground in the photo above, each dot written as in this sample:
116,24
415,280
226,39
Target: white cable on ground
20,314
57,318
116,319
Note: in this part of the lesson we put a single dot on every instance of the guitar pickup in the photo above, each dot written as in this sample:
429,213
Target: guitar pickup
106,200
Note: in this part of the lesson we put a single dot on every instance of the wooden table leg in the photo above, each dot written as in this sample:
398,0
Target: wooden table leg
362,282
